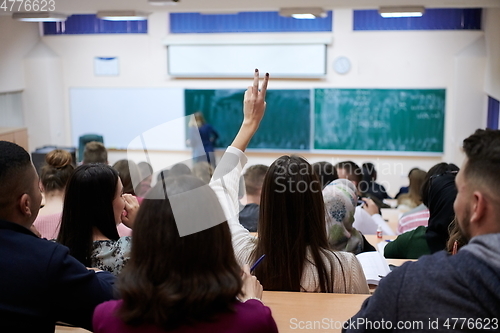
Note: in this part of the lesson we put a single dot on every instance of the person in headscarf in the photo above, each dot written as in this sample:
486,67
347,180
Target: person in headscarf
340,202
427,240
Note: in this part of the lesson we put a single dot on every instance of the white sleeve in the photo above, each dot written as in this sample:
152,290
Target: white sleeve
225,183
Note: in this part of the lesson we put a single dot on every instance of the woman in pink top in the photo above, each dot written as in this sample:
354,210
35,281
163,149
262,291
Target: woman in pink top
54,176
188,282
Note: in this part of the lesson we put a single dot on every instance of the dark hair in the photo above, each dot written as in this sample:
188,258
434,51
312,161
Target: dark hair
369,172
326,172
56,171
128,173
437,169
483,159
14,164
291,226
456,235
442,193
254,177
145,169
88,203
95,152
170,280
353,171
179,169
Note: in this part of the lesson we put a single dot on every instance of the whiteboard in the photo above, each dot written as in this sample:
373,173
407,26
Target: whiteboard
122,115
282,60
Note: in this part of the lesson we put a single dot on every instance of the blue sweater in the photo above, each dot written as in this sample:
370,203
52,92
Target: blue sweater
436,289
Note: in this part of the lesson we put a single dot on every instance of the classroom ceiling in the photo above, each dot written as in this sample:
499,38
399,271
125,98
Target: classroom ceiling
221,6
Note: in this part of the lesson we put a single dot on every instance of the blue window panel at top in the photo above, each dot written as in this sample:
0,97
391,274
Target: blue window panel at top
433,19
90,24
493,113
245,22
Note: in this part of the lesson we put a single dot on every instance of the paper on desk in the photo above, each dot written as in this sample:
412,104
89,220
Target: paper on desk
374,266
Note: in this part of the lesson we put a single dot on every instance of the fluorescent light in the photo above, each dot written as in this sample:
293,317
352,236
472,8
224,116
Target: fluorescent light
122,15
303,12
163,2
39,17
403,11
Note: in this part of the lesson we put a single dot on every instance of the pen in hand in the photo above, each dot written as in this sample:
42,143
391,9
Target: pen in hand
257,263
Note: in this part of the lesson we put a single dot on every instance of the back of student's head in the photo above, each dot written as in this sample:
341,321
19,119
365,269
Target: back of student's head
95,152
417,178
88,203
16,176
129,175
292,219
440,198
56,171
145,169
172,280
438,169
369,172
254,178
350,170
326,172
483,160
179,169
203,170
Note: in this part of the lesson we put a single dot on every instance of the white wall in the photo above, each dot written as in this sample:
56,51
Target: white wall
16,40
455,60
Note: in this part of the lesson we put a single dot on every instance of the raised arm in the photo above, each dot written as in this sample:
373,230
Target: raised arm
225,181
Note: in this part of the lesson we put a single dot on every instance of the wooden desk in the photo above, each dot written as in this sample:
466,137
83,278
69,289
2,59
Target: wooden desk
293,310
374,240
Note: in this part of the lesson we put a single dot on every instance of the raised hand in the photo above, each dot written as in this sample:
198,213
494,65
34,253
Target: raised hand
254,106
254,103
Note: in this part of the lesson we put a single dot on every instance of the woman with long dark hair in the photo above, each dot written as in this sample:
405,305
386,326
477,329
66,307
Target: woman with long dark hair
292,235
180,281
94,204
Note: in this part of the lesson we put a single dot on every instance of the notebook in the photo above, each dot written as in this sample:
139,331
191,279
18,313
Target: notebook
374,266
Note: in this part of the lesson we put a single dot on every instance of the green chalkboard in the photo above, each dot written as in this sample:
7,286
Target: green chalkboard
406,120
286,124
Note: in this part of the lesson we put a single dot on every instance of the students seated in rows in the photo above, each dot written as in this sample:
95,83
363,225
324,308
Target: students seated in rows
94,204
438,288
253,178
188,283
438,193
340,202
54,176
292,233
40,282
367,218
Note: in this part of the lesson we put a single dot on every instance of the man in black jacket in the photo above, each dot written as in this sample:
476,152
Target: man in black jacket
40,282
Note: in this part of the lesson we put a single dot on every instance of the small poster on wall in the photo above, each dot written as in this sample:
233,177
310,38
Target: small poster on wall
106,66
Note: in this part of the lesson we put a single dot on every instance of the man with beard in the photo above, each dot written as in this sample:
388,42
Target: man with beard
443,292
